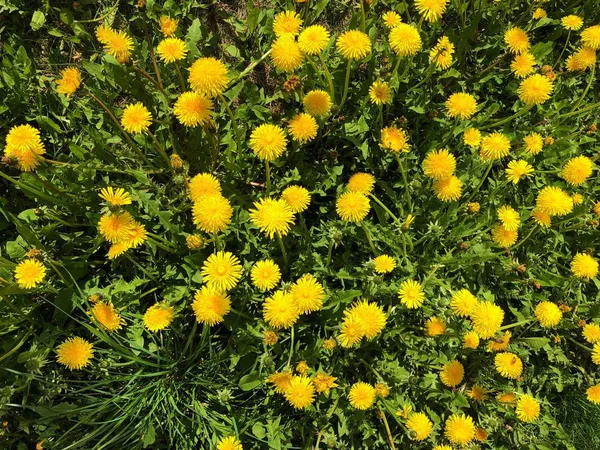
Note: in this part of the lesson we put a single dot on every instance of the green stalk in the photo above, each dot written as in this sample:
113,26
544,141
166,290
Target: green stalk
363,21
368,235
581,111
346,83
268,172
405,181
487,171
249,69
587,88
291,346
159,148
386,209
563,50
387,429
282,247
233,122
515,324
179,76
327,75
519,113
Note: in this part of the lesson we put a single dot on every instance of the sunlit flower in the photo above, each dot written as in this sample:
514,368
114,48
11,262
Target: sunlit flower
203,184
280,310
394,139
463,302
439,164
391,19
452,373
508,365
297,197
518,169
308,294
441,53
384,264
548,314
353,44
539,13
287,22
369,315
405,39
541,218
591,333
29,273
272,216
116,227
136,118
572,22
313,39
472,137
361,182
471,340
106,315
554,201
523,64
431,10
593,394
221,270
23,143
461,105
487,319
286,54
411,294
435,327
494,146
528,408
75,353
419,425
115,197
591,37
303,127
300,392
229,443
268,141
210,305
584,266
168,26
69,81
170,50
208,76
192,109
317,103
380,93
280,380
509,217
362,395
535,89
459,429
118,44
117,249
352,206
503,237
448,189
577,170
516,40
265,274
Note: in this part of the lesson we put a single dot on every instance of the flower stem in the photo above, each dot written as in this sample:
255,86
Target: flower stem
519,113
518,244
327,75
405,181
291,346
268,171
587,88
363,22
346,83
233,123
282,247
151,50
563,50
487,171
387,429
368,235
386,209
250,68
515,324
159,148
179,76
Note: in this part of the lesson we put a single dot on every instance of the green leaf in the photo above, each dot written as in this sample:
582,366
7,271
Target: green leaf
37,20
250,381
149,436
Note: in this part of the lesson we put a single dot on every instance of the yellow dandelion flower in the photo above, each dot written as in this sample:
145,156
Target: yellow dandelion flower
572,22
528,408
463,302
167,25
394,139
104,33
382,390
596,208
268,141
411,294
300,393
313,39
280,381
270,337
509,217
448,189
29,273
192,109
75,353
138,235
23,144
591,37
495,146
297,197
431,10
115,197
106,315
136,118
116,227
353,206
507,398
518,169
523,64
362,395
287,22
371,317
593,394
210,305
541,218
548,314
158,317
324,383
471,340
351,331
380,93
280,310
272,216
308,294
477,393
508,365
501,343
362,183
487,319
286,54
577,170
460,429
591,333
535,89
317,103
391,19
265,275
596,354
119,45
452,373
419,425
442,447
117,249
212,213
578,199
516,40
554,201
229,443
69,81
221,270
171,49
539,13
203,184
405,39
503,237
303,127
384,264
439,164
461,105
329,344
584,266
472,137
584,58
441,53
353,44
435,327
208,76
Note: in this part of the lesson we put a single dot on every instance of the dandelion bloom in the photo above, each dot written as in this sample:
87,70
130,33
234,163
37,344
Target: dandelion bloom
596,354
75,353
593,394
509,217
584,58
584,266
117,249
541,218
115,197
351,331
69,81
23,144
554,201
115,227
548,314
352,206
461,105
487,319
391,19
119,45
591,37
572,22
439,164
411,294
286,22
362,395
158,317
384,264
523,64
452,373
203,184
104,33
535,90
297,198
577,170
448,189
229,443
405,39
106,315
280,380
171,49
463,302
136,118
286,54
270,337
194,242
382,390
442,447
477,393
211,305
419,425
300,392
268,141
528,408
137,236
317,103
472,137
508,365
591,333
394,139
494,146
539,13
303,127
516,40
518,169
353,44
431,10
313,39
208,76
272,216
361,182
503,237
441,53
222,270
280,310
460,429
435,327
265,275
308,294
380,93
212,213
167,25
192,109
370,316
29,273
471,340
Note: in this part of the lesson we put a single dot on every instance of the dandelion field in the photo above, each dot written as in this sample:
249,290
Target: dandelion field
299,225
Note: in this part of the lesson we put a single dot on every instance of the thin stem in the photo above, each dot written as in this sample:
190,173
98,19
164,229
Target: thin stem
578,344
368,235
159,148
386,209
291,346
329,251
249,69
363,21
420,23
518,244
387,429
563,50
151,49
327,75
515,324
380,117
233,122
587,88
282,247
346,83
216,241
508,119
268,171
180,76
405,181
487,171
581,111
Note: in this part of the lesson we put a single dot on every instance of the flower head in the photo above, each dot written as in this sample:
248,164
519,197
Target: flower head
591,37
210,305
297,198
572,22
75,353
272,216
518,169
380,93
448,189
352,206
287,22
286,54
268,141
158,317
461,105
115,197
554,201
411,294
208,76
503,237
222,270
463,302
452,373
170,50
548,314
535,89
280,310
419,425
528,408
441,53
303,127
471,340
203,184
584,266
313,39
192,109
391,19
591,333
509,217
118,44
431,10
439,164
280,380
361,182
394,139
69,81
472,137
435,327
29,273
384,264
495,146
487,319
370,317
300,392
460,429
168,26
477,393
593,394
308,294
23,143
265,275
516,40
508,365
362,395
539,13
106,315
522,65
351,331
405,39
353,44
577,170
115,227
229,443
136,118
317,103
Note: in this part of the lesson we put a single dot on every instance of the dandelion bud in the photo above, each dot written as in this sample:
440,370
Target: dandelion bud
95,298
473,207
463,246
521,268
536,284
9,161
176,161
337,237
582,323
194,242
35,253
549,140
293,83
141,3
592,129
270,337
329,344
564,307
